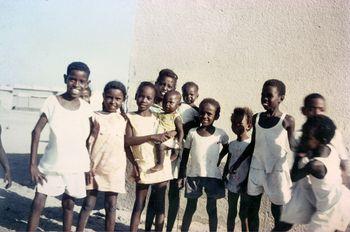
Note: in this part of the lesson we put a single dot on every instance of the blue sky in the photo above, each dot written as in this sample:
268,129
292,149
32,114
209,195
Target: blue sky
40,38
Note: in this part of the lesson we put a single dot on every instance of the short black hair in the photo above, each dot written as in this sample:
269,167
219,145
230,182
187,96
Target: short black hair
189,85
115,85
166,73
213,102
240,112
281,87
144,84
321,127
312,96
77,65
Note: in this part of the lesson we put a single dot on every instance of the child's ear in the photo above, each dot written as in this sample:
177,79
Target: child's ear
303,110
282,97
217,116
65,78
249,126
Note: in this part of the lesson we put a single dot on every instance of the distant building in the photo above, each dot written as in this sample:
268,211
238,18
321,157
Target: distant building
26,98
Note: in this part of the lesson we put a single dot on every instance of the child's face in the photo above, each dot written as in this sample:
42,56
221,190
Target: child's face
85,95
270,98
240,124
76,81
207,114
316,106
165,85
113,100
190,95
171,103
145,98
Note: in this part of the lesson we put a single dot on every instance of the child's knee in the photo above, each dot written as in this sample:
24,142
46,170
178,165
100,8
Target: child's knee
211,210
68,204
110,206
38,203
88,205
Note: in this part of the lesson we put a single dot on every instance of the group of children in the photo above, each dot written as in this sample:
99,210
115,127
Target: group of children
173,143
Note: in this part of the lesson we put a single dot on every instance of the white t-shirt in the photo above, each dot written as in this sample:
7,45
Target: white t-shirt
236,148
204,153
66,151
187,112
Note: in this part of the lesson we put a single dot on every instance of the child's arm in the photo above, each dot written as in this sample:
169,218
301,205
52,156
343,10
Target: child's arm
36,175
248,151
183,163
179,130
315,168
226,168
289,125
5,164
222,154
131,140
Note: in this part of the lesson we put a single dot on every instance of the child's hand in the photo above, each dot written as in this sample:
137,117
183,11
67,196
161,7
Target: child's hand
160,138
8,179
36,175
136,172
89,177
180,183
233,170
95,129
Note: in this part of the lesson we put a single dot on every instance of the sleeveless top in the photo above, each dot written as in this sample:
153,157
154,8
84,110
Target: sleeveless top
271,147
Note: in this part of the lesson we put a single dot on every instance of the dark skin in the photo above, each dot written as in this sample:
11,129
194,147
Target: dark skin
5,164
75,82
207,116
270,100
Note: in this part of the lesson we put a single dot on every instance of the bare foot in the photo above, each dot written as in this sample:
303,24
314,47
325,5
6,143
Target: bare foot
174,154
157,168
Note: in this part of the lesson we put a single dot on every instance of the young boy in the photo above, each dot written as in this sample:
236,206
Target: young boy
272,140
61,169
203,145
315,104
5,164
241,123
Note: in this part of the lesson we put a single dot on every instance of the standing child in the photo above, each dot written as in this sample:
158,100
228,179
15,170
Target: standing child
5,164
321,168
66,158
203,145
272,140
241,121
140,135
108,159
86,94
169,120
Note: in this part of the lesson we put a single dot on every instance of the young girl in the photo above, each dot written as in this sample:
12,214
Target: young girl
66,158
241,121
107,155
272,140
203,145
321,167
140,135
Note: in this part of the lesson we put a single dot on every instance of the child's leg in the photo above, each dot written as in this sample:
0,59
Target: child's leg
232,210
150,212
244,209
212,213
174,203
110,208
191,207
35,211
67,206
141,194
276,211
87,207
160,153
160,190
174,154
253,214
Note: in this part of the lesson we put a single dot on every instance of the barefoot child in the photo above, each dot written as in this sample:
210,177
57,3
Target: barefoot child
107,155
61,169
5,164
272,140
241,121
140,135
202,146
169,120
321,168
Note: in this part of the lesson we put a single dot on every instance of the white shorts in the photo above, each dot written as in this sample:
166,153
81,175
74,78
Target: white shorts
72,184
277,185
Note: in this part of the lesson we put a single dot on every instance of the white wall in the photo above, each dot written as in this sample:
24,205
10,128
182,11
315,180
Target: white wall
231,47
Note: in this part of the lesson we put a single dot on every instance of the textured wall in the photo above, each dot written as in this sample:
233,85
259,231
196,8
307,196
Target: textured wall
231,47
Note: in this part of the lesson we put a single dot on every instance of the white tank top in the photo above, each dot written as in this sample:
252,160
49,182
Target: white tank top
271,147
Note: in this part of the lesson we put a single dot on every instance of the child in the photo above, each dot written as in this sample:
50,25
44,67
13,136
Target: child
140,136
203,146
241,121
168,121
108,162
5,165
321,168
188,110
66,158
315,104
272,140
86,94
